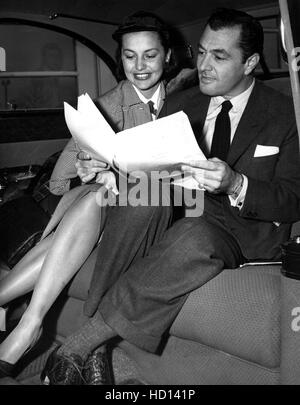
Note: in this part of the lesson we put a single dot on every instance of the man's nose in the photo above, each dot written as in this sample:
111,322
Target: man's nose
204,63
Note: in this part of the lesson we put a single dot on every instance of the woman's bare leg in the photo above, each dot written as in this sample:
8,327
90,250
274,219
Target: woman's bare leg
72,243
22,278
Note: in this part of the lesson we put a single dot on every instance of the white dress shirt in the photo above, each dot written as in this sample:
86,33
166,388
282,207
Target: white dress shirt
238,106
155,99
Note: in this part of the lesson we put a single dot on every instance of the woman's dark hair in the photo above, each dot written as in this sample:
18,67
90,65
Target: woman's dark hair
143,21
252,35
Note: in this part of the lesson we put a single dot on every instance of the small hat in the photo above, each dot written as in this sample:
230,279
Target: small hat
139,21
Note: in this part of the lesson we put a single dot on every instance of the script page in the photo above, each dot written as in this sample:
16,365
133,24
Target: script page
157,145
160,145
90,129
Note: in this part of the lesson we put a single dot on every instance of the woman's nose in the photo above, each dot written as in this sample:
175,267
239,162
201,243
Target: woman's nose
140,64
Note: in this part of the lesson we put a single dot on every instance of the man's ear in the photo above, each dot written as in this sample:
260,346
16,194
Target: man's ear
251,63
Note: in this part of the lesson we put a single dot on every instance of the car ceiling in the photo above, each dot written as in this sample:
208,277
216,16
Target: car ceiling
175,12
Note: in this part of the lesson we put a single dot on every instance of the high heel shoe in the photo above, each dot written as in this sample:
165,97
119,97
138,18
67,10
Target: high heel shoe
6,369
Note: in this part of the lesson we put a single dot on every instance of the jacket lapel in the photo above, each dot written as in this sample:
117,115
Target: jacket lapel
196,110
130,96
251,122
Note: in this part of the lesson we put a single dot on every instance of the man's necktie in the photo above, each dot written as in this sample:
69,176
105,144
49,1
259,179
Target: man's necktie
151,106
221,138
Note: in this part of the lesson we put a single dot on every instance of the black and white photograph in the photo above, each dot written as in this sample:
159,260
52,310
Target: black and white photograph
149,195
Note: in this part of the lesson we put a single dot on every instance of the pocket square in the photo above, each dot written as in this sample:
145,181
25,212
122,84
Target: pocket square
264,150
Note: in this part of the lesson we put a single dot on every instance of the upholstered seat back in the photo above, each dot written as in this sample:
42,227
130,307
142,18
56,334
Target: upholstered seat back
236,312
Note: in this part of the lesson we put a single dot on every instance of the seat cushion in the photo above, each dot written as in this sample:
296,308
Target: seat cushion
236,312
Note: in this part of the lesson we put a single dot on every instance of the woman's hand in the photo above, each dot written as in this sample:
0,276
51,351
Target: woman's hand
87,168
108,179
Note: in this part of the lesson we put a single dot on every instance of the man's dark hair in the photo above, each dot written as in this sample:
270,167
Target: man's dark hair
252,35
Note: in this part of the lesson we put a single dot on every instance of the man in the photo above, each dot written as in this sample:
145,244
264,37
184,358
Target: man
252,183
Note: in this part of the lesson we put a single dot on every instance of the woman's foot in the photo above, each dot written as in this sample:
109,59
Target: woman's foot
6,369
19,341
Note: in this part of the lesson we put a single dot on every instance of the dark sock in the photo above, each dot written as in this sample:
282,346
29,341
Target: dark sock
92,334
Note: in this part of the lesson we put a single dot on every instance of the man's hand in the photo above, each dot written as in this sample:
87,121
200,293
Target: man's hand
214,175
88,169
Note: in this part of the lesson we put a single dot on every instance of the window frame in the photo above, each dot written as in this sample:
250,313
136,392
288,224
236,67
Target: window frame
108,60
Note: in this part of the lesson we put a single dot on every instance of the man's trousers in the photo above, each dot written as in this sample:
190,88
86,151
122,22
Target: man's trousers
144,301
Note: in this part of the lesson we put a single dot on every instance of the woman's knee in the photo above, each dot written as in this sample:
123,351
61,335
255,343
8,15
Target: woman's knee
86,205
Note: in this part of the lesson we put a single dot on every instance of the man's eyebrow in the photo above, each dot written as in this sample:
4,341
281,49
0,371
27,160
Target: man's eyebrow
221,51
216,50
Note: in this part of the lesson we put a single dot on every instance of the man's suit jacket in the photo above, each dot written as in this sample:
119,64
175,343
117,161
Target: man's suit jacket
273,194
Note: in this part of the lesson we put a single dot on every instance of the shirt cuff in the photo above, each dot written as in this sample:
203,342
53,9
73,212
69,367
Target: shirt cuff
239,200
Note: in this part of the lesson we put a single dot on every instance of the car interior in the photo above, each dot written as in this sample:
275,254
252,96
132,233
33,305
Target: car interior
234,330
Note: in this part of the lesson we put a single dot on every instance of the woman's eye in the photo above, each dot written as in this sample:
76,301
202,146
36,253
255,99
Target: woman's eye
129,56
150,56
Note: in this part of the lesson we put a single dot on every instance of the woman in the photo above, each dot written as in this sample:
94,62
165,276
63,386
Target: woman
144,50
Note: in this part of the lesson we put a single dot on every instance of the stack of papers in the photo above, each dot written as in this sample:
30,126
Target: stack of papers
163,144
